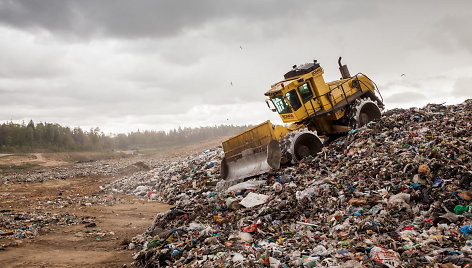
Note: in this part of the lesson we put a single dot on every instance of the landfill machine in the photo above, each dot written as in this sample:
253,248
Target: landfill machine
315,110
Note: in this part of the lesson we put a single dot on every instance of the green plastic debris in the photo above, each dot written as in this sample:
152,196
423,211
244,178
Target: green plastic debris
407,247
93,231
460,209
153,242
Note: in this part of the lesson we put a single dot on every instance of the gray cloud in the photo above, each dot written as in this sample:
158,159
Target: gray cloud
452,31
128,19
20,58
400,82
463,87
162,18
405,97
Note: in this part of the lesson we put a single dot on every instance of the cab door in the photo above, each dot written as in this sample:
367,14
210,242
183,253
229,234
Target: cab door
295,102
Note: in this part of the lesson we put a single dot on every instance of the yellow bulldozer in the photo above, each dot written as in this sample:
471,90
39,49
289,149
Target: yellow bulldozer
316,110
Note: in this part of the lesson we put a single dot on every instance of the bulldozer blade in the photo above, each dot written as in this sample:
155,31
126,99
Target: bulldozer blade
250,164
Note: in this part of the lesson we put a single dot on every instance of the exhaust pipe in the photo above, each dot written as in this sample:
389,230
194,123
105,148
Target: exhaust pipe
344,70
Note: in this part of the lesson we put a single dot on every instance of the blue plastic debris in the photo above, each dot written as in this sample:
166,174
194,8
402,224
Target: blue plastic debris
466,229
437,182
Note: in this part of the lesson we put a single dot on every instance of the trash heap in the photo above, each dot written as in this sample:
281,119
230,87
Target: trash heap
20,224
71,201
394,193
110,167
183,174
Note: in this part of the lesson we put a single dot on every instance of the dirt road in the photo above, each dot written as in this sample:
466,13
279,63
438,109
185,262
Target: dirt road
33,159
114,220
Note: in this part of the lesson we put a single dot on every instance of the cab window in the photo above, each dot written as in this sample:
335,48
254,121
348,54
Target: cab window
292,97
305,92
280,104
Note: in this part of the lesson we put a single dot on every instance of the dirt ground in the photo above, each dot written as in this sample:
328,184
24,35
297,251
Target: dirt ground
69,245
33,159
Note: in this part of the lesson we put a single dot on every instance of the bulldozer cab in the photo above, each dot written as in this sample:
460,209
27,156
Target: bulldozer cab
305,94
294,99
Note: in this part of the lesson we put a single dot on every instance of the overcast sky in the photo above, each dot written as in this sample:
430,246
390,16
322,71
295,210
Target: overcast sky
125,65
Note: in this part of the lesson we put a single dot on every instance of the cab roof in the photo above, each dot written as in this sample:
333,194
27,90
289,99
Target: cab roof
276,88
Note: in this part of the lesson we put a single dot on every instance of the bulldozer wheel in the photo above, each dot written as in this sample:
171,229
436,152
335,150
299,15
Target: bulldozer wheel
364,119
305,145
364,111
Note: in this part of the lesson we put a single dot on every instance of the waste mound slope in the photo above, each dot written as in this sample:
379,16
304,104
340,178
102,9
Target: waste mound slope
394,193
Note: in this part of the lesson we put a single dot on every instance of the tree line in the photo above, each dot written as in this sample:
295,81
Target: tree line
54,137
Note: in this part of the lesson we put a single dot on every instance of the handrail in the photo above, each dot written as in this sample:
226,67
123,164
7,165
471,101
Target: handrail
312,107
304,103
329,92
344,93
375,85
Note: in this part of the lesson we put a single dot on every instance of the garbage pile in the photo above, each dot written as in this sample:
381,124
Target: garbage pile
82,169
70,201
394,193
97,234
21,224
183,174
